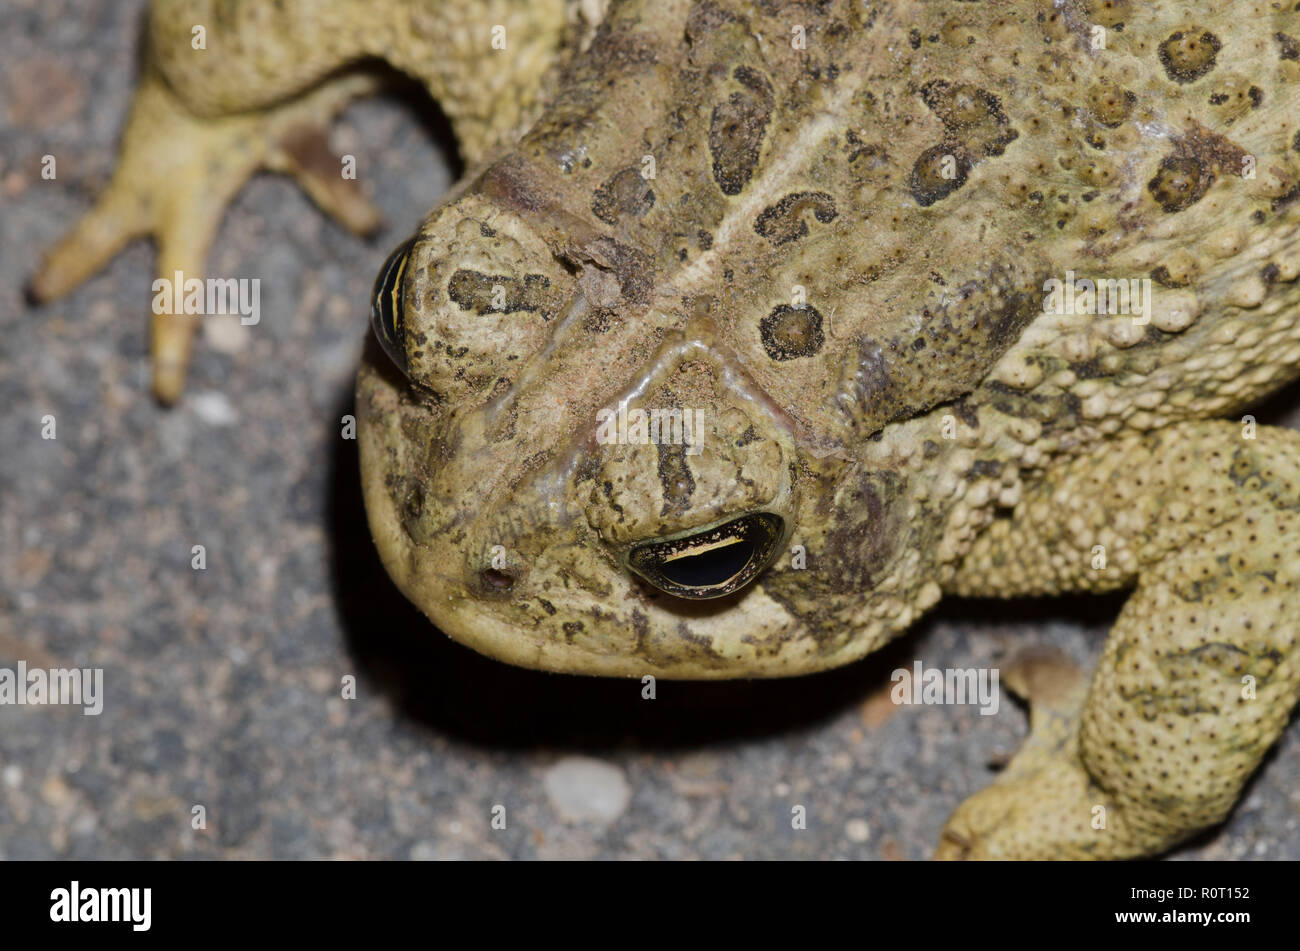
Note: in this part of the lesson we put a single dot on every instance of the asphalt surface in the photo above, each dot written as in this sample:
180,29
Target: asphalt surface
222,687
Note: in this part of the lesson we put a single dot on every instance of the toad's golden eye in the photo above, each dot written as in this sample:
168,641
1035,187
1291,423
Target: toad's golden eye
386,314
713,562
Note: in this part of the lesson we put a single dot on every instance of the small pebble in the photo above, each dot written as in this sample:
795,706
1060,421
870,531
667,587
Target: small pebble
582,789
213,408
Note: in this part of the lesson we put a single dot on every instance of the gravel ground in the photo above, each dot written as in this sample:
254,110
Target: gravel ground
222,686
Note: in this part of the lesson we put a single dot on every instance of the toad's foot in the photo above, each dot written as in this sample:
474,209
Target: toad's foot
177,174
1045,785
1200,672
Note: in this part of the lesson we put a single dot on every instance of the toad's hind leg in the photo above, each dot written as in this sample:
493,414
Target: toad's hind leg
1201,670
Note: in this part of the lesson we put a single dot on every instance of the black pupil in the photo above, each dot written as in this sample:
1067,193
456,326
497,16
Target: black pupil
386,315
711,567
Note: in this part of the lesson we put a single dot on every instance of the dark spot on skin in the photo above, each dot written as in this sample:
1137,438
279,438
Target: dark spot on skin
864,157
1269,273
477,292
1287,198
737,130
641,627
571,629
624,194
675,478
704,239
868,526
1214,151
885,380
791,332
970,115
914,38
598,320
1189,55
1256,96
701,644
1089,370
862,542
1110,105
547,606
631,268
608,488
615,52
938,172
1290,47
485,231
1162,277
967,413
704,19
1180,183
786,220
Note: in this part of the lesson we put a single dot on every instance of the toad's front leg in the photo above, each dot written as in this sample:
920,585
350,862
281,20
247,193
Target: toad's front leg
1201,670
177,174
261,93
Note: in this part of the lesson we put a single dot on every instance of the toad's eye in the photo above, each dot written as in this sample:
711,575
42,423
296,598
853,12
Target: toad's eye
386,316
713,562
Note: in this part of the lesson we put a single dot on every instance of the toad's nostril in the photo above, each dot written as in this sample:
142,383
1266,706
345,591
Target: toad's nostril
497,580
712,562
